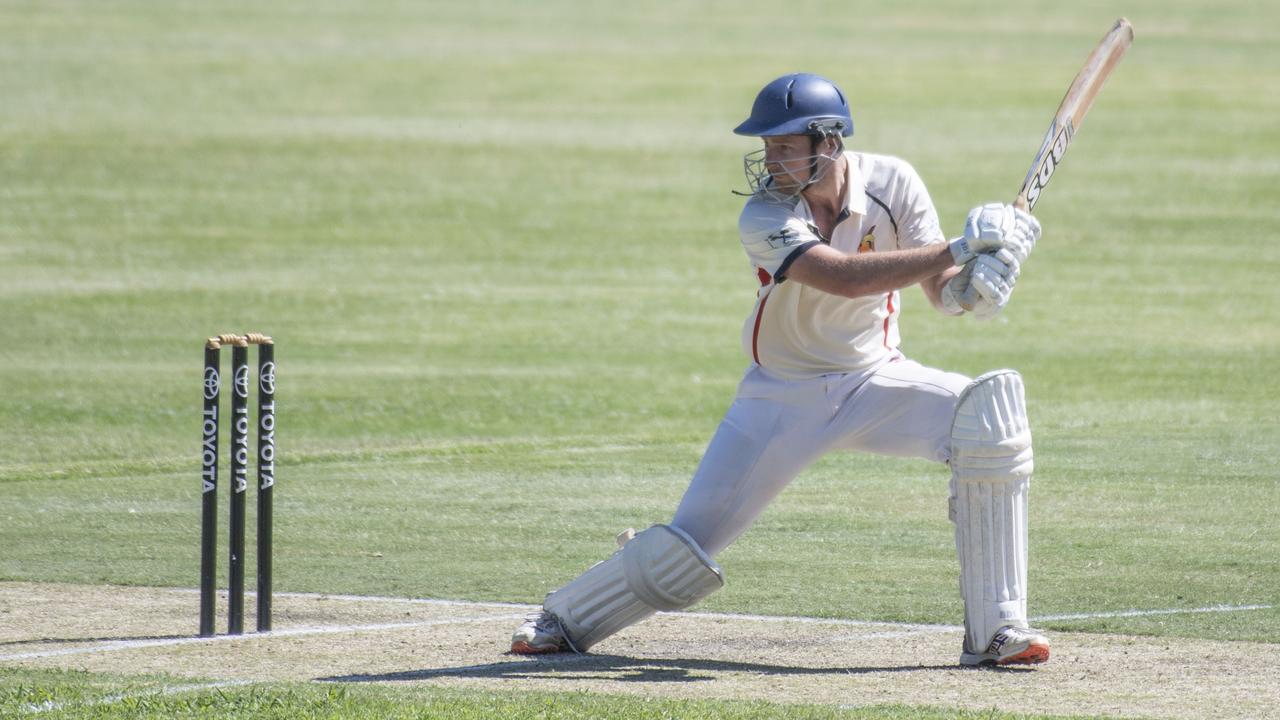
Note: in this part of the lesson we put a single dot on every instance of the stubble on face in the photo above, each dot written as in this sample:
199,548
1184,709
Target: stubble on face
787,158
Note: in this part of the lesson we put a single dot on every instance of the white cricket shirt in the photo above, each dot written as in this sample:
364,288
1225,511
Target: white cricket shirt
797,332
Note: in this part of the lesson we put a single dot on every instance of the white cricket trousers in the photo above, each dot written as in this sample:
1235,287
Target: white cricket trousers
776,428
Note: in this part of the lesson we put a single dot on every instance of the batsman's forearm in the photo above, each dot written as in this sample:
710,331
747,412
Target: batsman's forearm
872,273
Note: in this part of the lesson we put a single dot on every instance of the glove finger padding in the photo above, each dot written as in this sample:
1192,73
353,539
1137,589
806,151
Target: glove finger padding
1005,263
1028,221
1026,231
994,279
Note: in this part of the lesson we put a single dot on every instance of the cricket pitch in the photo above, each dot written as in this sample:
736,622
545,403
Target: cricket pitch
339,639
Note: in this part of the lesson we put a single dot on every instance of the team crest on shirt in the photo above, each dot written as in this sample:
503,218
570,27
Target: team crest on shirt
783,238
868,243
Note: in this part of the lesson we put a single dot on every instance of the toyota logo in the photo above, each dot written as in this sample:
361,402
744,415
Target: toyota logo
242,381
267,378
211,383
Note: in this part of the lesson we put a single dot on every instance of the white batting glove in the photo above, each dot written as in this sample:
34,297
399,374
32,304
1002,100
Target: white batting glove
993,278
983,286
1026,231
984,309
986,229
954,290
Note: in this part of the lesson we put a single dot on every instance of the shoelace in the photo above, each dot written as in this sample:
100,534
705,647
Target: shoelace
547,623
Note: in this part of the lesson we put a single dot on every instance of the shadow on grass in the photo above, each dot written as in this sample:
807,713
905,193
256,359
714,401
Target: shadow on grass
626,669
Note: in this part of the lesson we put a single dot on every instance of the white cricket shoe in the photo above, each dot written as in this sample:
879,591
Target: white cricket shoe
1011,646
541,632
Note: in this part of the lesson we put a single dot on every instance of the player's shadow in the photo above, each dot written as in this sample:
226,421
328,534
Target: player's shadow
71,641
589,667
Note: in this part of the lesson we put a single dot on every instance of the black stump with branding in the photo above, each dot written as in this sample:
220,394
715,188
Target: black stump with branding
239,482
266,475
209,489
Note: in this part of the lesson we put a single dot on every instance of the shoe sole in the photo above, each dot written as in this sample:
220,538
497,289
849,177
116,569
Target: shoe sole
520,647
1033,655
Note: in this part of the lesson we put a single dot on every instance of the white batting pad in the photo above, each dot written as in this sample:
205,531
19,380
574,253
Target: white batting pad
662,568
991,464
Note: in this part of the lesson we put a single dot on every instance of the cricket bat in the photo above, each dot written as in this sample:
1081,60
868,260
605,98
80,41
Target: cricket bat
1067,120
1071,111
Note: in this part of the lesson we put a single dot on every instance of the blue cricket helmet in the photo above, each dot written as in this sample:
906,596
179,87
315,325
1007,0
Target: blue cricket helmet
798,104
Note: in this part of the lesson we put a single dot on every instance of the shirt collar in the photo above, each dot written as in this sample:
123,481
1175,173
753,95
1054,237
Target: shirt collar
855,186
855,189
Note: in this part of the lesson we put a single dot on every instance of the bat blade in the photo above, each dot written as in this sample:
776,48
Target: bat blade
1072,110
1066,122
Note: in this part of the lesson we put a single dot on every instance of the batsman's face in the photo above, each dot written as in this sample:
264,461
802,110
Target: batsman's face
789,160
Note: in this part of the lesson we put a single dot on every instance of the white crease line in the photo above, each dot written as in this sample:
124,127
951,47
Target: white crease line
292,632
414,601
527,608
1144,613
49,705
374,598
916,627
890,634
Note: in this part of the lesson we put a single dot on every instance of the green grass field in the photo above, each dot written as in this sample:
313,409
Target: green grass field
496,247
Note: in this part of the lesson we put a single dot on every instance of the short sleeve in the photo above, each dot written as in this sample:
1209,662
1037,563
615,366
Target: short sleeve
917,218
773,237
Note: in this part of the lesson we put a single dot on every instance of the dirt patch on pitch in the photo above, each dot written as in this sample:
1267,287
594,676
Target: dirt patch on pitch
355,640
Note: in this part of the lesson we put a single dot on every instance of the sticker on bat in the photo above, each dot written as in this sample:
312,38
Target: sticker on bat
1051,160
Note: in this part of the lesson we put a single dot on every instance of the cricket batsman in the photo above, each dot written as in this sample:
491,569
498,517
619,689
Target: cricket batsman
833,236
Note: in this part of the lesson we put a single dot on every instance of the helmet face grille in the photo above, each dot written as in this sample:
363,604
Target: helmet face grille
760,181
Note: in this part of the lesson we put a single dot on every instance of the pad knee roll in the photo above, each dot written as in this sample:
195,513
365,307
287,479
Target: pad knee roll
990,436
662,568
